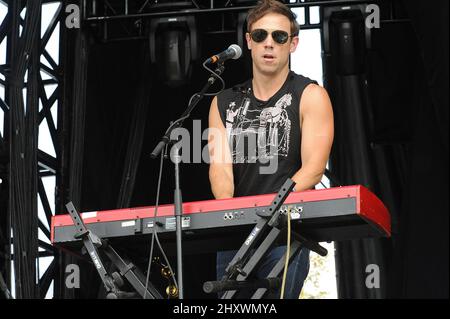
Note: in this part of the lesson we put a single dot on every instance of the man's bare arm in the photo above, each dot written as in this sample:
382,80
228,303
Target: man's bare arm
220,168
317,136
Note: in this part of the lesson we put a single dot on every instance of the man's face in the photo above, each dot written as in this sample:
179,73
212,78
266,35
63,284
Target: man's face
270,57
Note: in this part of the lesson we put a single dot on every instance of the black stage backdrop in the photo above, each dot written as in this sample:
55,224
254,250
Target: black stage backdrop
425,229
392,136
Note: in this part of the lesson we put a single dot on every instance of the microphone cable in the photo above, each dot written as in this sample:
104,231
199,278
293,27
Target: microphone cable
155,234
189,109
217,76
214,74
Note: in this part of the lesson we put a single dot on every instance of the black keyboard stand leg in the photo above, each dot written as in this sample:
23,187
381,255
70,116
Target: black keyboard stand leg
94,245
278,268
132,274
255,259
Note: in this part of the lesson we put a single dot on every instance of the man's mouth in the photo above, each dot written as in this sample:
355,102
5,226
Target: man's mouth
268,57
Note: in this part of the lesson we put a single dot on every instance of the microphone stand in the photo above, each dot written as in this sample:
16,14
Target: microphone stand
178,202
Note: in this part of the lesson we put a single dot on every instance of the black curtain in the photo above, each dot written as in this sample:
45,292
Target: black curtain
425,228
395,141
346,78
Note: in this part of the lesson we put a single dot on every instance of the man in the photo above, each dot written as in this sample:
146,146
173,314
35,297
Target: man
280,117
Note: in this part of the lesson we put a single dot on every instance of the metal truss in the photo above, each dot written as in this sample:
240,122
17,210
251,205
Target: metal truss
22,31
113,20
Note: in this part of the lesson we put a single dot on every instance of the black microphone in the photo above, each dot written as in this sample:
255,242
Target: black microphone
233,52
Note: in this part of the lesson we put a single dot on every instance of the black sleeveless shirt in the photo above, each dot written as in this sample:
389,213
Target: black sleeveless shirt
264,136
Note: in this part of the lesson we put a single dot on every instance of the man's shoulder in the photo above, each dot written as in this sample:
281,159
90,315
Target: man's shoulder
315,91
314,97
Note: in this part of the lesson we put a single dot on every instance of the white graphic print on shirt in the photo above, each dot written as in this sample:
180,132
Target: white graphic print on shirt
258,133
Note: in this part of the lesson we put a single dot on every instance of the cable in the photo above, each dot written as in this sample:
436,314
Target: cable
154,225
198,94
23,181
214,74
154,233
181,119
288,252
166,260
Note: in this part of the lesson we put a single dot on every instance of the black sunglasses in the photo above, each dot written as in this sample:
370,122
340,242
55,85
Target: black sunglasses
279,36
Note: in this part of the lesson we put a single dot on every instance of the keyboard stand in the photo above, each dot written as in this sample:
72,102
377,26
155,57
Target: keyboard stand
93,245
298,243
249,255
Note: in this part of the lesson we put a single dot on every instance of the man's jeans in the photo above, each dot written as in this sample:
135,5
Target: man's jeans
297,271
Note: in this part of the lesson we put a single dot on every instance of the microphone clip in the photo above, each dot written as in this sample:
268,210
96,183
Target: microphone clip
217,72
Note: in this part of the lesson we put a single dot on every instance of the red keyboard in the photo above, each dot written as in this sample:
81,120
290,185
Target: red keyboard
340,213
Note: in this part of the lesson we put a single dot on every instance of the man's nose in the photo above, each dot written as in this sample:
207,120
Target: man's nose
268,42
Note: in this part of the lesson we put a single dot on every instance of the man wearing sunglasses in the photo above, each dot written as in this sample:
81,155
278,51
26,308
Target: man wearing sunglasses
277,115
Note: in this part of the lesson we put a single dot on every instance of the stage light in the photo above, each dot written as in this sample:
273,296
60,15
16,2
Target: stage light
173,48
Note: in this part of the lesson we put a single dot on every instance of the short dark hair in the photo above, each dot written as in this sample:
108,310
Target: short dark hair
272,6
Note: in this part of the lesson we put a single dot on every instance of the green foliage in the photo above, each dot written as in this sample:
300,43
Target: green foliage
321,280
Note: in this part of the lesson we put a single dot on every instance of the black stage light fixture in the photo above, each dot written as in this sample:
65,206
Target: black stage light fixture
173,48
346,36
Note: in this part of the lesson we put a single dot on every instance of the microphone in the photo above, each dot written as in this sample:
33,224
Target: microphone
233,52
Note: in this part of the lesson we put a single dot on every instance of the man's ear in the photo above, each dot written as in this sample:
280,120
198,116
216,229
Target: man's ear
249,41
294,44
